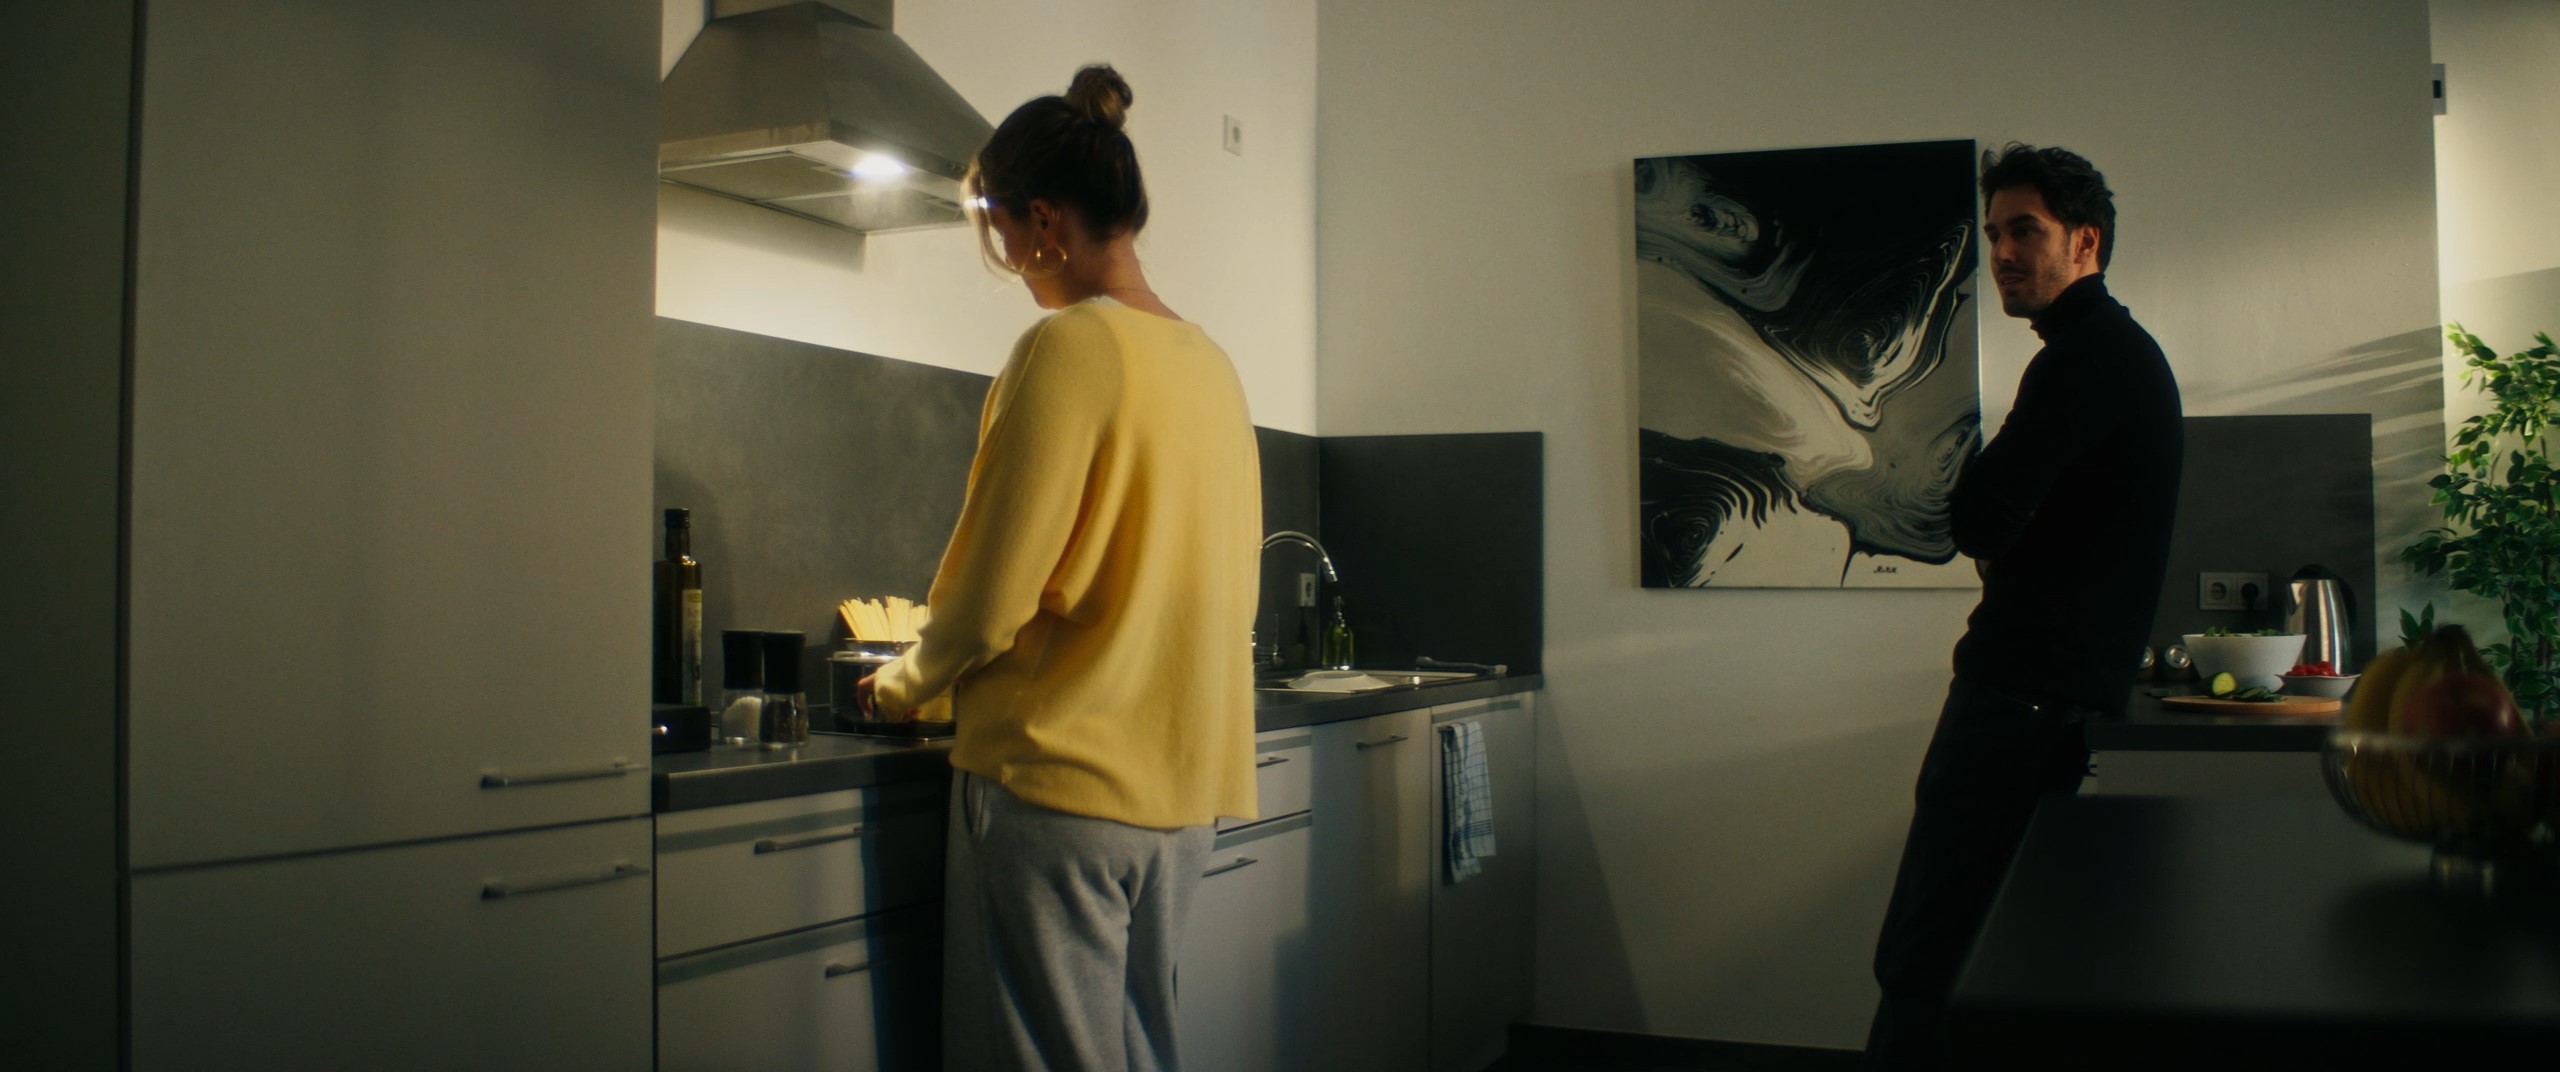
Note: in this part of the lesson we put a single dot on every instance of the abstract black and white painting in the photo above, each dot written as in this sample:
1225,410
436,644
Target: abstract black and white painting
1805,351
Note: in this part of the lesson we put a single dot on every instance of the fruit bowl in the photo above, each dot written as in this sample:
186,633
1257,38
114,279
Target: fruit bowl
2255,660
2472,798
2331,685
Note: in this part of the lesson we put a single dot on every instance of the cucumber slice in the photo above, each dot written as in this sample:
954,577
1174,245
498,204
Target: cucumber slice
2224,684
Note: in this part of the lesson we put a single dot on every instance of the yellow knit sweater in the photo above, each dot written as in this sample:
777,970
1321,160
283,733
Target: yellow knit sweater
1095,607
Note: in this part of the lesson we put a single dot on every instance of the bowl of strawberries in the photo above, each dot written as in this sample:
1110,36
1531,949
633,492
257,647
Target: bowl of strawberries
2317,679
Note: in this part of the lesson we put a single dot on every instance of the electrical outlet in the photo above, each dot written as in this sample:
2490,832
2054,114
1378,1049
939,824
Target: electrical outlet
2231,591
1231,135
1306,589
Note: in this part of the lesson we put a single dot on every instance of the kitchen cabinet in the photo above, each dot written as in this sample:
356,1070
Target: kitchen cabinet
514,951
733,873
856,996
391,416
1482,929
388,535
1243,970
1370,898
802,932
1244,984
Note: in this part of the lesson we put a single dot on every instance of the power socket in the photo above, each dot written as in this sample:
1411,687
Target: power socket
1306,589
2231,591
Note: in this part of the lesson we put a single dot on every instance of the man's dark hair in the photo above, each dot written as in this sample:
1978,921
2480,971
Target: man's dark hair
2073,190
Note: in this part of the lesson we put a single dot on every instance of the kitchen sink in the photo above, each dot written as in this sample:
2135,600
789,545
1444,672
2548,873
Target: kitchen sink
1357,680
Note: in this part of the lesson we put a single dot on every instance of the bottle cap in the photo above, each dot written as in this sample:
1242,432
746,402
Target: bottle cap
782,661
679,518
741,659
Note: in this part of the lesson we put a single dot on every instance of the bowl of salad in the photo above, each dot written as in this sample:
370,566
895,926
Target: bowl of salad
2259,660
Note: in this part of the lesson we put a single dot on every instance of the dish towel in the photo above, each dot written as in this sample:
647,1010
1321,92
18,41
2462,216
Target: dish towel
1468,793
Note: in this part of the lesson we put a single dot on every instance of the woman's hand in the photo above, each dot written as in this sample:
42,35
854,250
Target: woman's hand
862,694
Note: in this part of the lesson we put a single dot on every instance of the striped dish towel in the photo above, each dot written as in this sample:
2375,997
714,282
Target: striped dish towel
1468,793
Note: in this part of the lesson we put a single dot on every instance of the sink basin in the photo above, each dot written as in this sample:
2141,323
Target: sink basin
1359,680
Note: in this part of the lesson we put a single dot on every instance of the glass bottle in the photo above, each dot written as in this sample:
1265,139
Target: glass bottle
675,651
1337,639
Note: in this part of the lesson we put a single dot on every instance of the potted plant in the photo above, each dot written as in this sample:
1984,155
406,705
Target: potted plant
2500,494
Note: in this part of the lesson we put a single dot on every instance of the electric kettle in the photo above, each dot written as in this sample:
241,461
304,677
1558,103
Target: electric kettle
2317,607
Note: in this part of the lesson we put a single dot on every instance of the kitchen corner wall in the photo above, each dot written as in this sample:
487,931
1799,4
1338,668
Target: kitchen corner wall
2497,223
1231,241
1725,776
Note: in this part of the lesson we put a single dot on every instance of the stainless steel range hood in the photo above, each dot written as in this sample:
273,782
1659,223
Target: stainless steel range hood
801,106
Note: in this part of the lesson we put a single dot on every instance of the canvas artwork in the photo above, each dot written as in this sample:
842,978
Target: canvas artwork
1805,350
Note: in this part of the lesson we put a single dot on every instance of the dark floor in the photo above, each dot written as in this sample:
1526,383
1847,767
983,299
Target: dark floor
1549,1049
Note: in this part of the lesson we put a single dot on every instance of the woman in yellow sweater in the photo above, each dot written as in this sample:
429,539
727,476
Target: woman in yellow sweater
1092,619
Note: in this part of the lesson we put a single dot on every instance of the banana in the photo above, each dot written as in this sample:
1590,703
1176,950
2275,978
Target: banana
2370,711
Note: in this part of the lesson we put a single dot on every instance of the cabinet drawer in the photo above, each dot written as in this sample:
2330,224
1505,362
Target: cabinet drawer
512,951
859,995
1280,781
748,870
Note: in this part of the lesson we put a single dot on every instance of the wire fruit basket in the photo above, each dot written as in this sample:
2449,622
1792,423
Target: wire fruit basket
2475,800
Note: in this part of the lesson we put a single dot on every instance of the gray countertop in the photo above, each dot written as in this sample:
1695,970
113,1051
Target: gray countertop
2158,932
830,762
2147,727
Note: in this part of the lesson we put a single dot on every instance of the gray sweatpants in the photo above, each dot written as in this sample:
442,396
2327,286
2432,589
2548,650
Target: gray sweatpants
1060,933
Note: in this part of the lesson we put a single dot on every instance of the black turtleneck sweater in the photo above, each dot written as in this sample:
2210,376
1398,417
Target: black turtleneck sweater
2068,510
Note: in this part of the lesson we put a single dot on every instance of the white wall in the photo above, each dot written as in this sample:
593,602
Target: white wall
1231,241
2497,148
1725,780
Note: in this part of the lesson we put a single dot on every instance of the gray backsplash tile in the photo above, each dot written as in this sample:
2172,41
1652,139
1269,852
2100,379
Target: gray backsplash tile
2271,494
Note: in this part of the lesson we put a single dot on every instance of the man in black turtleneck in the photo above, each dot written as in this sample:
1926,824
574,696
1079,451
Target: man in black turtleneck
2066,513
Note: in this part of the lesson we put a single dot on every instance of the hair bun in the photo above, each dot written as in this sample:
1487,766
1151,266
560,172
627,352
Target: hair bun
1101,95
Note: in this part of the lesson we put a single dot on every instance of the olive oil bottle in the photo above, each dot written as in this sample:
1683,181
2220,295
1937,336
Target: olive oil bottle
675,651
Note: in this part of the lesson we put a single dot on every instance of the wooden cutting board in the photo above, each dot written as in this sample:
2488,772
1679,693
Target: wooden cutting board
2282,707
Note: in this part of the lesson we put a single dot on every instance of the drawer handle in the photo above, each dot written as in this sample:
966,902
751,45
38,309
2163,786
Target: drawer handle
498,779
497,888
1241,863
1270,761
810,841
834,970
1397,739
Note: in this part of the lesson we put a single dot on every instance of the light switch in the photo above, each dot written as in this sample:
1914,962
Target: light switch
1231,135
1306,589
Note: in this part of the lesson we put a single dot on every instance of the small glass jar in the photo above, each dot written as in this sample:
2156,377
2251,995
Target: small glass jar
782,717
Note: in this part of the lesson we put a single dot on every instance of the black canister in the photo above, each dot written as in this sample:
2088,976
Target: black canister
741,686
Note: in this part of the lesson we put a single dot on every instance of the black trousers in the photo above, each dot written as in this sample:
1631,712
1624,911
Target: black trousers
1992,757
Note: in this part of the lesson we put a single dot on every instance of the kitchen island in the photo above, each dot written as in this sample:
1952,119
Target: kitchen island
2166,933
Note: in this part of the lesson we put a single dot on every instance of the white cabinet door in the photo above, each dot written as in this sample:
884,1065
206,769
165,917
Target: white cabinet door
747,870
1243,984
392,404
1483,929
857,996
1370,883
525,951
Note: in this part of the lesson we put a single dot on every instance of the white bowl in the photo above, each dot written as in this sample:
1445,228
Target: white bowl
2258,661
2329,685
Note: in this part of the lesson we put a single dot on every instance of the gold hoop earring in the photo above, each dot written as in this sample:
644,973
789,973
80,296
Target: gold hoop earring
1033,269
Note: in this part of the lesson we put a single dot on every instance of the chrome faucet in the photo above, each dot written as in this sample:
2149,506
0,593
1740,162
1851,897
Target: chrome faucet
1270,655
1294,536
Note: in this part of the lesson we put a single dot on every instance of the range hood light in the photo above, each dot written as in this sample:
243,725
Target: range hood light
879,167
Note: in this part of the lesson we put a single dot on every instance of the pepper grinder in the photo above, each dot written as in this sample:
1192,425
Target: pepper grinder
783,720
